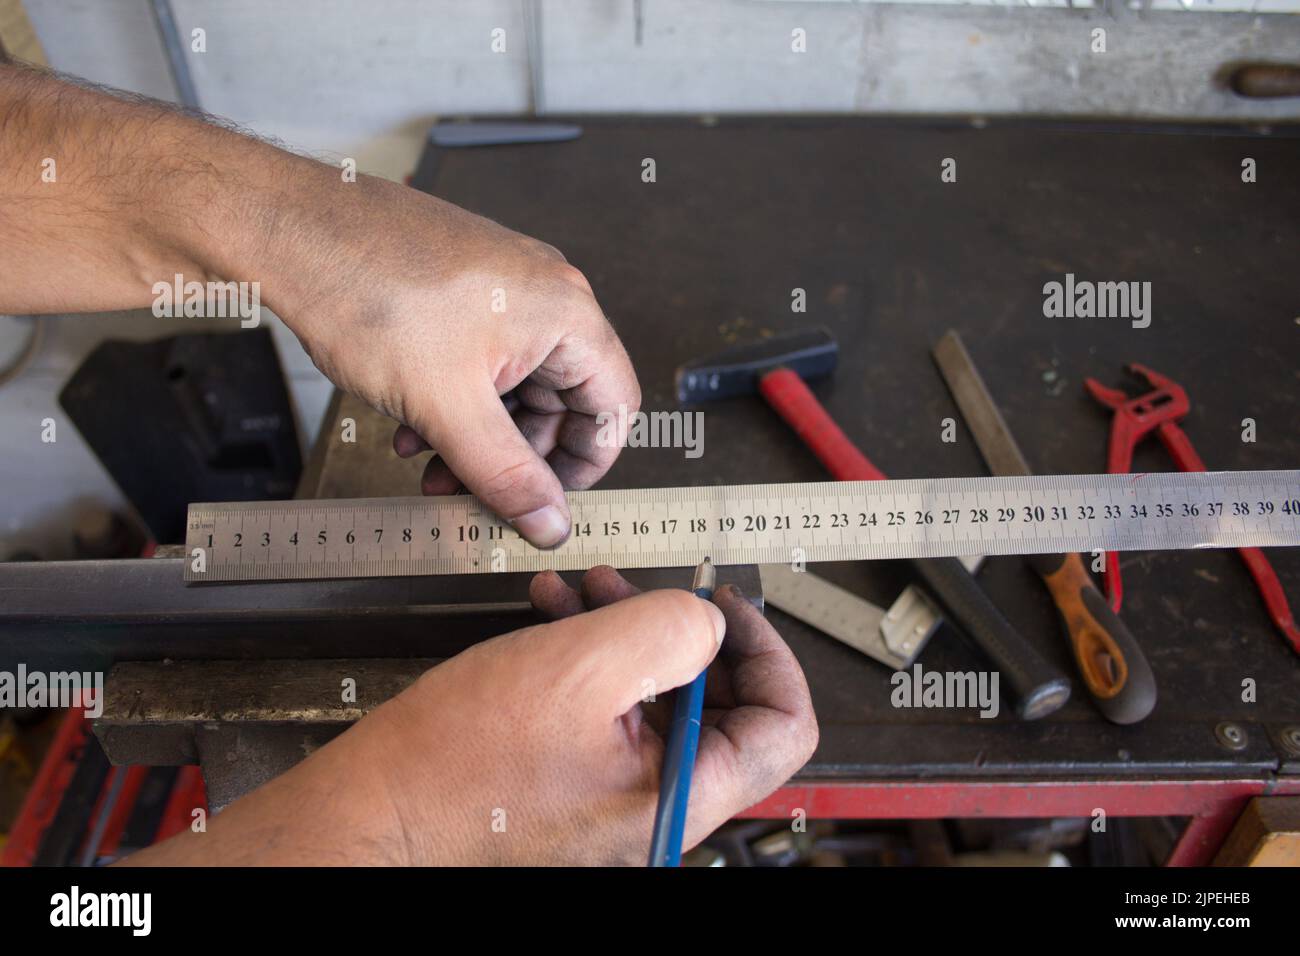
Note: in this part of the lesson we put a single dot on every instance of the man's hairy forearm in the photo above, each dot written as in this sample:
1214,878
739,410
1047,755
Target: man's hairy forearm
326,811
101,196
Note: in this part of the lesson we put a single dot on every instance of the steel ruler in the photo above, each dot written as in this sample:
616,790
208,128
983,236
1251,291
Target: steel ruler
750,524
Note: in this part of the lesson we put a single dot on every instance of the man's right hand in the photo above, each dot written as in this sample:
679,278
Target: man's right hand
538,747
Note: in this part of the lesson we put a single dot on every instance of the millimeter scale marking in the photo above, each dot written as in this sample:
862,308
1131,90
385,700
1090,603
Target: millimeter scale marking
750,524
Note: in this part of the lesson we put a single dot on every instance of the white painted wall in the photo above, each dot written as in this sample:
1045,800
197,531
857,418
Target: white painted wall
340,74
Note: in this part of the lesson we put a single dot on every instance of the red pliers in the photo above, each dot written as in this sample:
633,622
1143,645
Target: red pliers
1160,410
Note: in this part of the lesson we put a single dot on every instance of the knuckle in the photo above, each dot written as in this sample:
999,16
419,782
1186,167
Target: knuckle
634,396
572,275
510,480
546,250
617,357
566,367
809,736
690,616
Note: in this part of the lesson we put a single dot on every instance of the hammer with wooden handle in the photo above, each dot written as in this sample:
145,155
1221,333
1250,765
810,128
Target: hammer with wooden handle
775,368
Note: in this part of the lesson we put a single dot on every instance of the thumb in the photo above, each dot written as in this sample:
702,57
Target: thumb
484,448
639,647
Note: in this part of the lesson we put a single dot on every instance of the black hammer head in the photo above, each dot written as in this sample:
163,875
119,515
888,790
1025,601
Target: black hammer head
810,354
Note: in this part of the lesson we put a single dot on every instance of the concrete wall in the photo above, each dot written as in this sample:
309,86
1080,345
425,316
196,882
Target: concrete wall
337,73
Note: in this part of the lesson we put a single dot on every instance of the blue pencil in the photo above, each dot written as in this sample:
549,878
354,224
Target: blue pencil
679,753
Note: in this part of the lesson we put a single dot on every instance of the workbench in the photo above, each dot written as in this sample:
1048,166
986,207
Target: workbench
854,211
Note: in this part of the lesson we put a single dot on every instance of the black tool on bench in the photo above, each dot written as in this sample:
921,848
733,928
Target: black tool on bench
775,368
201,417
1110,661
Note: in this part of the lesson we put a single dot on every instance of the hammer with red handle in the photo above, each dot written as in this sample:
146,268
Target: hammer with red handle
776,368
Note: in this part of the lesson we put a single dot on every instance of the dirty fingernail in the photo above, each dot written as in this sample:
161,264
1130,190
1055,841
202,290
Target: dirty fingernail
546,527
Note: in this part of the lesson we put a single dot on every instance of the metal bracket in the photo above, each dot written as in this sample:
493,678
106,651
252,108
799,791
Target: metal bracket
894,637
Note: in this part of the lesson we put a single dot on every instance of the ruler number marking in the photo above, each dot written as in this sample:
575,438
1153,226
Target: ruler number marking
828,520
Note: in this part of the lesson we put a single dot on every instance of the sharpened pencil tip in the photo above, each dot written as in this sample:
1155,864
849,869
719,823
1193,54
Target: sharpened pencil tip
706,576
